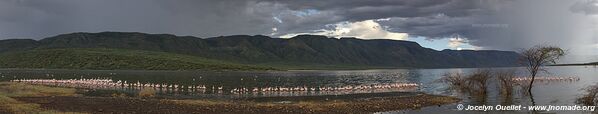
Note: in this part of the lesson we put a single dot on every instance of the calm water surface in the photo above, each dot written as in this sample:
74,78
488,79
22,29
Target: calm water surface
552,93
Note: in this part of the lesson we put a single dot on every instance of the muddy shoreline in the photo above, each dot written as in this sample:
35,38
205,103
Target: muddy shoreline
25,98
110,105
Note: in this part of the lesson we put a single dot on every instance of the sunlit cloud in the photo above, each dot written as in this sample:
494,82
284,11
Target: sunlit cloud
458,43
368,29
274,31
455,43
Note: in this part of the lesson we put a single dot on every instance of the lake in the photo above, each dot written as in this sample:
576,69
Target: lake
544,93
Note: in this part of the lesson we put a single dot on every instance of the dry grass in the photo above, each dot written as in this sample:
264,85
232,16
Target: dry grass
26,90
200,102
10,105
331,106
147,93
119,95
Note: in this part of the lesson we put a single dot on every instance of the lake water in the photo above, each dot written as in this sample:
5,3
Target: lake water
553,93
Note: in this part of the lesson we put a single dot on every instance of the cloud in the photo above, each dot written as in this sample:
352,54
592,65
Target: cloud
356,10
433,26
203,18
455,43
589,7
332,11
207,18
368,29
491,24
534,22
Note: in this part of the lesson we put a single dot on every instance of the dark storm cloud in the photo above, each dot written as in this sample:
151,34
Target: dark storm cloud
366,9
525,23
492,24
334,11
384,8
435,26
509,25
205,18
41,18
428,18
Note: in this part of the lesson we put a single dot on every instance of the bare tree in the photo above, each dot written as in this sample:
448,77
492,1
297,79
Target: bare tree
536,57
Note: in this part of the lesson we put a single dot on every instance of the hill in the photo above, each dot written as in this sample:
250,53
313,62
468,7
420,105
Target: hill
300,52
577,64
111,59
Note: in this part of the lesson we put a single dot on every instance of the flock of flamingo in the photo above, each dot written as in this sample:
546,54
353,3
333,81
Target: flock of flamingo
546,79
341,88
111,84
244,91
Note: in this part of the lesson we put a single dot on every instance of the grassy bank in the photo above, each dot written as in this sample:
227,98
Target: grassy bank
10,105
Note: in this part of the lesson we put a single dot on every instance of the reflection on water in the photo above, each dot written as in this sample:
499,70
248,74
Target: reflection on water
558,87
199,89
544,92
237,84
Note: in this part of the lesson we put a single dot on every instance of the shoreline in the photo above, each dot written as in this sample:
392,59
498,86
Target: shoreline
278,70
36,98
139,105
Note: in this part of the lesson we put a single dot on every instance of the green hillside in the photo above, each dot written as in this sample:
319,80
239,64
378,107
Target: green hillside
300,52
109,59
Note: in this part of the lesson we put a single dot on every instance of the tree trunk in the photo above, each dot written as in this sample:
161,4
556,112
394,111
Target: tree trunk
531,83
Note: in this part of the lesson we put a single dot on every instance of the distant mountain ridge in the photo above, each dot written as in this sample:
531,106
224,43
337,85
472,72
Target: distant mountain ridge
302,50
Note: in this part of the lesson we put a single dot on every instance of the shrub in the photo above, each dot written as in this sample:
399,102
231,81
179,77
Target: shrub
478,82
147,93
455,81
475,83
506,82
589,98
120,95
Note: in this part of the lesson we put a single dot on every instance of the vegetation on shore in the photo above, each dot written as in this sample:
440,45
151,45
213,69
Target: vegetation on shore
10,105
577,64
474,84
113,59
534,59
590,97
477,83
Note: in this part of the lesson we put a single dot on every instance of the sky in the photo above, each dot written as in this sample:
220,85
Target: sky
438,24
